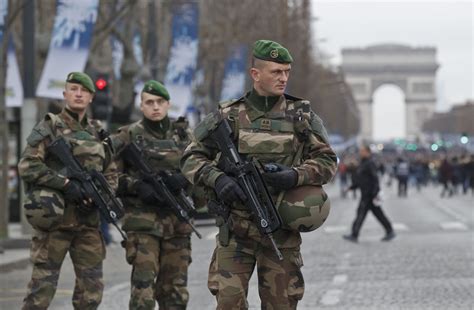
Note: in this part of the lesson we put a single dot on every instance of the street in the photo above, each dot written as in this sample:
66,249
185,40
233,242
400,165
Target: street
429,265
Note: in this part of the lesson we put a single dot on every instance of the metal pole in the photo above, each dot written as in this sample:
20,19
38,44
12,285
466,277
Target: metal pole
29,109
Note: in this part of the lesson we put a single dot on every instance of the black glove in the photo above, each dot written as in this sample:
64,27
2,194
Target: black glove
73,192
146,193
228,190
280,177
176,182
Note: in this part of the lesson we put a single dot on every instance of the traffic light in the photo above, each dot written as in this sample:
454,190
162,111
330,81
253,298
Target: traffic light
464,138
101,104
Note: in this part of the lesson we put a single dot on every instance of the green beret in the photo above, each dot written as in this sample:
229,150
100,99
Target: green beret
82,79
271,51
156,88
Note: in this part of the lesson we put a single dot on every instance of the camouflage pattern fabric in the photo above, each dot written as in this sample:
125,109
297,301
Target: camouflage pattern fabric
163,152
159,246
48,249
38,169
59,226
44,208
304,208
281,283
272,136
160,268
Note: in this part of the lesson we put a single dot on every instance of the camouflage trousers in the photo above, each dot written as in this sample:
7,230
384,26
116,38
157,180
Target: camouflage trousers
48,249
160,271
280,283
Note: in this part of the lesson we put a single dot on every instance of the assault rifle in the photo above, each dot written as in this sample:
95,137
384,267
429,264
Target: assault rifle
179,202
248,176
93,184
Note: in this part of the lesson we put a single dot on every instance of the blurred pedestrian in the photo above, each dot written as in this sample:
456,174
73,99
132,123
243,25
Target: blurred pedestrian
445,175
352,171
470,173
342,171
402,172
368,183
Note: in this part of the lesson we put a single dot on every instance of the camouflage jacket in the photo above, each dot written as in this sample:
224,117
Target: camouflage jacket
163,151
37,168
290,127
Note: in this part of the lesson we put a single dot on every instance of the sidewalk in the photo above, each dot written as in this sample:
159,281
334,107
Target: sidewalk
16,249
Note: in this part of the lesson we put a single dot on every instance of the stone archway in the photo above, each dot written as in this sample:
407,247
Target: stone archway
411,69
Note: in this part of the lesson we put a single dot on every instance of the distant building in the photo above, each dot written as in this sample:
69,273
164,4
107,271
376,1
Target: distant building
459,120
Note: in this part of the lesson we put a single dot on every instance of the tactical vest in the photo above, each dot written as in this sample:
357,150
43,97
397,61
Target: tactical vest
86,147
163,152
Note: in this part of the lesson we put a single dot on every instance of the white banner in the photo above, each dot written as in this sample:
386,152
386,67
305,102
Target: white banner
14,90
183,58
69,48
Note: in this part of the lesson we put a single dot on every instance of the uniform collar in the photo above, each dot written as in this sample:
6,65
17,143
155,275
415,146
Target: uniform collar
159,127
72,120
268,106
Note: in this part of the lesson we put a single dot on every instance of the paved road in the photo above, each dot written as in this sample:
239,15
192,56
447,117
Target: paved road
428,266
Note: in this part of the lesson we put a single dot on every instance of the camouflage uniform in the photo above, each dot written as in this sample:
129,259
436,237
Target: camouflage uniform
60,227
269,135
159,244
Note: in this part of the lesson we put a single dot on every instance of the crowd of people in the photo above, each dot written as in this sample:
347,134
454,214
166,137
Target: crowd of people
453,171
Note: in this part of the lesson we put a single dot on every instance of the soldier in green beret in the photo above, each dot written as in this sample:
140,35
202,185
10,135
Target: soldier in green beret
159,244
53,204
278,129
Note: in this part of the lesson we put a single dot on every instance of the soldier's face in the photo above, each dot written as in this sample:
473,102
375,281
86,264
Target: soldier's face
77,97
271,78
154,108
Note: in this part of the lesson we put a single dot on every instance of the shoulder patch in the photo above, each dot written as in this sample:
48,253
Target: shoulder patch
318,128
208,124
40,132
228,103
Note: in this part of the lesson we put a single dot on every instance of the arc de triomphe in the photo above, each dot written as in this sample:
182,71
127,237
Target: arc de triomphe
411,69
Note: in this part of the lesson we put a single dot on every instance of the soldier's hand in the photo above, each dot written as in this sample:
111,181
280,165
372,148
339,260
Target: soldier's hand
146,193
73,192
228,190
280,177
176,182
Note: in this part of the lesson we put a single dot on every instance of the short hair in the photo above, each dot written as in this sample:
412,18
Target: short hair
257,63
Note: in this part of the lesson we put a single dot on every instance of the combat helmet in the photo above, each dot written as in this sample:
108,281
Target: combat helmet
304,208
44,208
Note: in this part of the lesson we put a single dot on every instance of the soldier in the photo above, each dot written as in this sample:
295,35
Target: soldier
159,244
55,205
272,127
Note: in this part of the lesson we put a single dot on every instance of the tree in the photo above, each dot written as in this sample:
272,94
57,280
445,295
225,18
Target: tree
14,9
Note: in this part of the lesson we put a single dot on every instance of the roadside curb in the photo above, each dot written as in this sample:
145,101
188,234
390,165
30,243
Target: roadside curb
17,264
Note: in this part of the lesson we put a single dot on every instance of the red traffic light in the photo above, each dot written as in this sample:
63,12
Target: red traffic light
101,84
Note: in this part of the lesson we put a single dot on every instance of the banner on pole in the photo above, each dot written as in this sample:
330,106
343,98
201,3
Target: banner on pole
183,58
69,47
233,84
14,86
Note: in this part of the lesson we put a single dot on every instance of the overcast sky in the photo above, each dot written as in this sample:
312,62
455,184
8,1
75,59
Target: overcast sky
446,25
